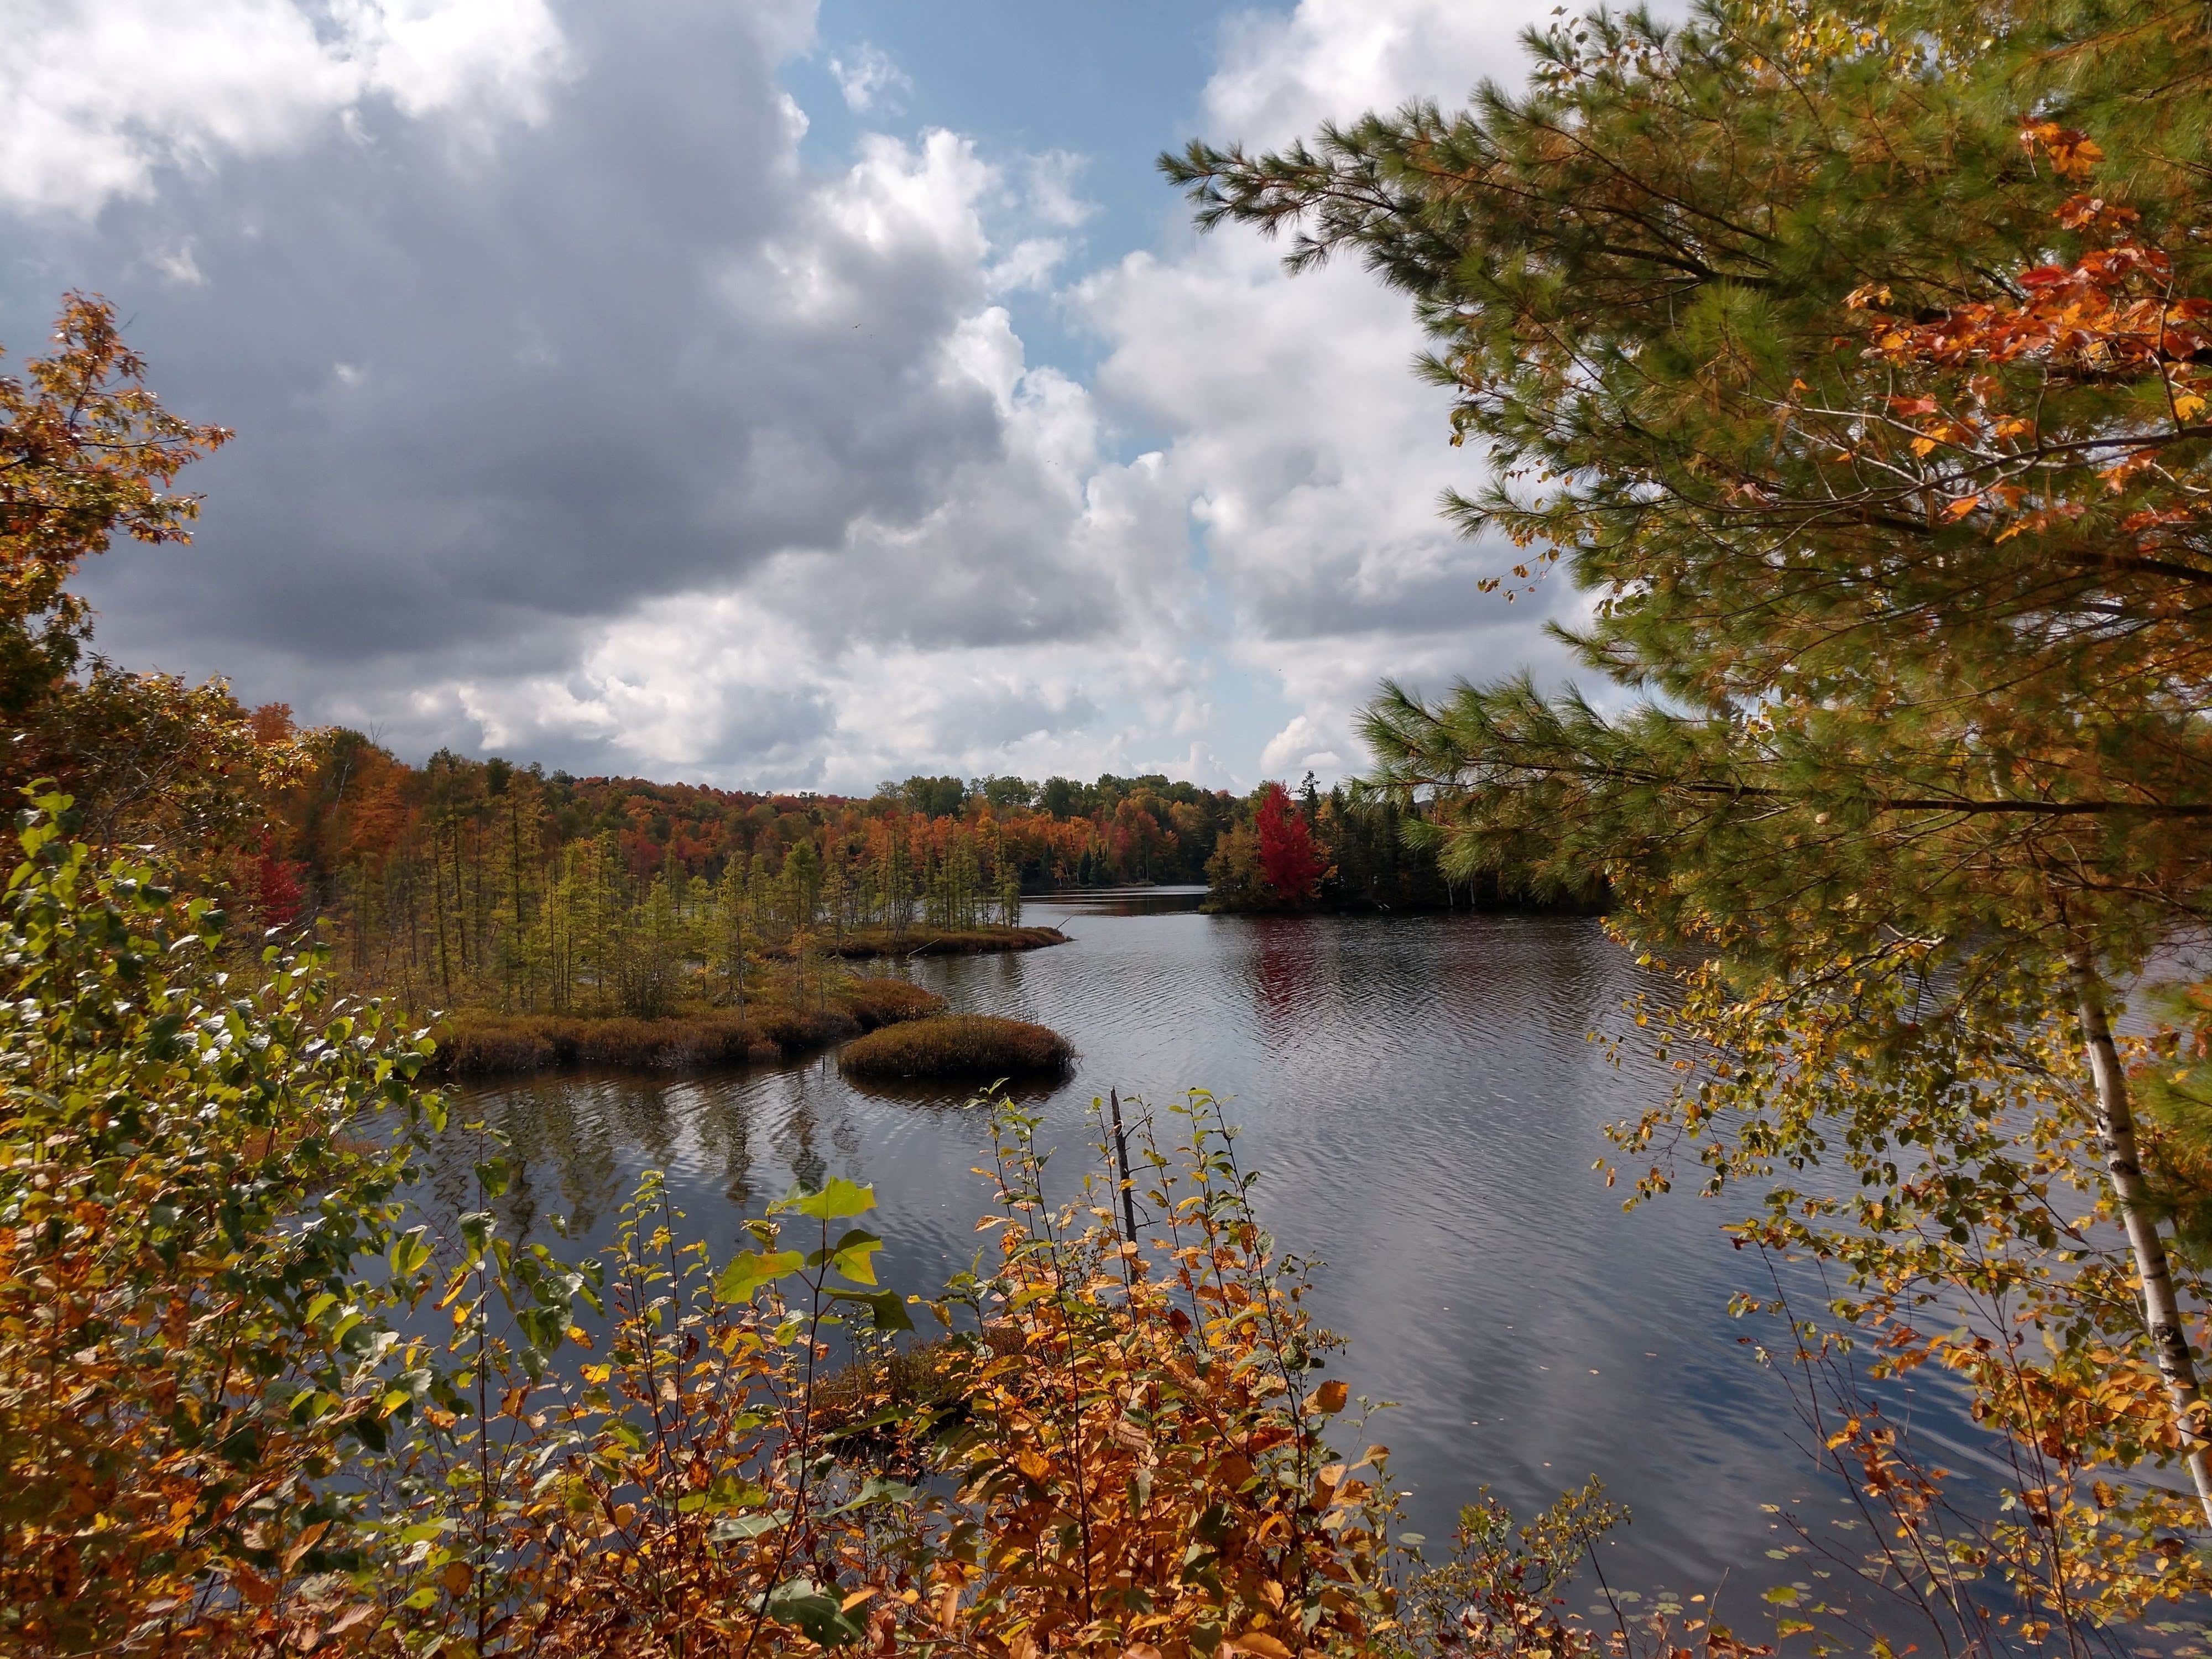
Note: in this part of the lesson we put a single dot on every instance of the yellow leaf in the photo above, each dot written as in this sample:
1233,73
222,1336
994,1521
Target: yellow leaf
457,1579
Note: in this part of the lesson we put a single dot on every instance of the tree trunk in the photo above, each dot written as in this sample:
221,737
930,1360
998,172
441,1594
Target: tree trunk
2116,1132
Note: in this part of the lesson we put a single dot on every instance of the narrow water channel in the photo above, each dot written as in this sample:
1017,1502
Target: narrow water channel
1426,1103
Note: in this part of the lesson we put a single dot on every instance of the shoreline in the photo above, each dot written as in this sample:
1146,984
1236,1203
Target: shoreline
476,1043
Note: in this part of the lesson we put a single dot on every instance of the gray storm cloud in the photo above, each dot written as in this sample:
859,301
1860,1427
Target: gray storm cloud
578,418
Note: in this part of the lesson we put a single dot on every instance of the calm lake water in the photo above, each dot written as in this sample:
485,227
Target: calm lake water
1425,1102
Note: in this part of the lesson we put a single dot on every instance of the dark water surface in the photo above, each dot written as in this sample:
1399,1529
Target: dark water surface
1425,1102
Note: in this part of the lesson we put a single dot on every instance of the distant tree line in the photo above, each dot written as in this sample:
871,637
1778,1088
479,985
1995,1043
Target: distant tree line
481,883
1342,851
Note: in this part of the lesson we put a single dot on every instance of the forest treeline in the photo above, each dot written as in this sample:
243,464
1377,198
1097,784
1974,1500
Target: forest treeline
486,883
465,882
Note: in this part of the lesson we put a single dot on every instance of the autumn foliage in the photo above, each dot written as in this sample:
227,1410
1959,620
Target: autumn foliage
1288,860
216,1437
185,1195
86,451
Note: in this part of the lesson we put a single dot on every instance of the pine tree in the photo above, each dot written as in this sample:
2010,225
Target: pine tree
1854,361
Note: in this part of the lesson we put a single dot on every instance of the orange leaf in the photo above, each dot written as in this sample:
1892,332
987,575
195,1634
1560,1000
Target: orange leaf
305,1542
1330,1398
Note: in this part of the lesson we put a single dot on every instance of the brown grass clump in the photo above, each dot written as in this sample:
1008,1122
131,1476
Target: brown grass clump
887,1001
959,1046
472,1042
943,941
476,1042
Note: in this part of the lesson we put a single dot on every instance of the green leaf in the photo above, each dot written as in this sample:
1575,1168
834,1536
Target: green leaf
732,1529
750,1269
820,1614
408,1253
887,1308
852,1257
834,1202
876,1490
1782,1595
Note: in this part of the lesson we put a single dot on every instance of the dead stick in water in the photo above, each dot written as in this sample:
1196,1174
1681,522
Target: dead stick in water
1121,1158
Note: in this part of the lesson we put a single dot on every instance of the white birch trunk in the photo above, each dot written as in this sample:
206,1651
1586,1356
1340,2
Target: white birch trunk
2116,1133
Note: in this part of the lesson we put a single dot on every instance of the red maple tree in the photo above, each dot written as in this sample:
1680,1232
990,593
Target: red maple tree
1291,863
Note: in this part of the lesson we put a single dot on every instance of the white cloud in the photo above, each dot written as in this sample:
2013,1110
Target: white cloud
176,263
1310,459
1299,747
1052,193
1331,60
1029,263
97,99
640,445
871,81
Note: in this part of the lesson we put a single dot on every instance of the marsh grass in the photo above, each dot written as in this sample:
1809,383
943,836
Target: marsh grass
973,1046
476,1041
983,940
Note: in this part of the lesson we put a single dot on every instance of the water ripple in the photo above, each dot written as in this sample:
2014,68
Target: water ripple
1424,1100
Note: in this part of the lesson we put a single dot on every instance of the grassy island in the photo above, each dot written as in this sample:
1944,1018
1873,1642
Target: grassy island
964,1047
477,1042
984,938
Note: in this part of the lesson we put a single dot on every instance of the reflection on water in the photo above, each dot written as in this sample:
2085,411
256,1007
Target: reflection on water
1423,1097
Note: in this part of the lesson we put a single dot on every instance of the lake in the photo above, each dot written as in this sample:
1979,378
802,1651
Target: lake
1425,1105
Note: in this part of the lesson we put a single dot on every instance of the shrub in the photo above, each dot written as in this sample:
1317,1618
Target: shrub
985,939
1114,1456
186,1186
959,1046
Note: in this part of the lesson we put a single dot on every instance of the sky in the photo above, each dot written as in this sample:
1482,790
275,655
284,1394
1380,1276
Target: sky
759,392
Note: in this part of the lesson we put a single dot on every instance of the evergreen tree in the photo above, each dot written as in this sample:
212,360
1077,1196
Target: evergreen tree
1854,360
